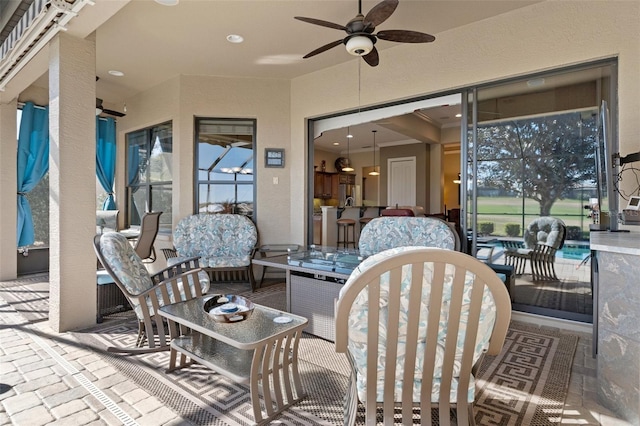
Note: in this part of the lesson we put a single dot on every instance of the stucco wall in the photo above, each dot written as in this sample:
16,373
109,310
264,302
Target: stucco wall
541,37
184,98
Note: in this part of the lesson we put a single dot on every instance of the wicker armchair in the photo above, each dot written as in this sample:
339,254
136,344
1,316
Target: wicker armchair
146,293
383,233
542,239
224,244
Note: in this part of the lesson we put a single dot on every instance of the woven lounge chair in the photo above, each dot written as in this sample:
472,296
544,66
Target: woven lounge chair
542,239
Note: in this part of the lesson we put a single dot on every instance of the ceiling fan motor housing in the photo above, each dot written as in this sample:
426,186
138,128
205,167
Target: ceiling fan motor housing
359,45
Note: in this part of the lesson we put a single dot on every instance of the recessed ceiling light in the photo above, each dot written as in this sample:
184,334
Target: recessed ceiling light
235,38
458,115
116,73
336,143
167,2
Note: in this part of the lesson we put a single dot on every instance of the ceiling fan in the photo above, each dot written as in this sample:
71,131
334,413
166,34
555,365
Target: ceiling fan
361,38
101,110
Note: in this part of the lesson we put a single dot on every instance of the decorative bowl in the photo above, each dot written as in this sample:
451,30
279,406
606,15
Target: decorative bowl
228,308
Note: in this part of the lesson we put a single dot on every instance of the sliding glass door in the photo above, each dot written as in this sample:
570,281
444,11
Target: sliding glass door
533,150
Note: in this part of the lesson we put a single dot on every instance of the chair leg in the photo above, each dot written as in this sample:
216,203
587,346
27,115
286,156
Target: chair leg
472,419
252,279
142,335
351,403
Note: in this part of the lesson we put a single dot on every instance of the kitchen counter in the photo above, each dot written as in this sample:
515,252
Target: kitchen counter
616,267
616,242
331,213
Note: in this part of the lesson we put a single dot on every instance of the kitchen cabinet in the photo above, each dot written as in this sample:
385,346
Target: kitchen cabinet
325,185
347,179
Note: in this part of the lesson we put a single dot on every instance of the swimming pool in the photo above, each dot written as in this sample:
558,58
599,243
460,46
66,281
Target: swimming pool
571,250
575,251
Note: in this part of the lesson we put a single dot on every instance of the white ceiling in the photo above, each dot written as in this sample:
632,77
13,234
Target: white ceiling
151,43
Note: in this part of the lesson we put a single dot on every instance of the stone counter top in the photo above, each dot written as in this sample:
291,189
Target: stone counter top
616,319
616,242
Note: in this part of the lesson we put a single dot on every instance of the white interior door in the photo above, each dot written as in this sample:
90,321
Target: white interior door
401,186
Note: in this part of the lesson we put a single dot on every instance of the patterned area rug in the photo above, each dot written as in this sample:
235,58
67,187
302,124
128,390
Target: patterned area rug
524,385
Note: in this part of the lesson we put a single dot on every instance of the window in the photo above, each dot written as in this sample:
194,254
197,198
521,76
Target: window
225,166
149,173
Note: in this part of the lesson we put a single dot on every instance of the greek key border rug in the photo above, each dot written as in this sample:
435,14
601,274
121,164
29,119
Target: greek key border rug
526,384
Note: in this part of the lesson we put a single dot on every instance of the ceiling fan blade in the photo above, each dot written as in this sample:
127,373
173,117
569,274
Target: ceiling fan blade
321,23
380,12
322,49
404,36
112,112
372,57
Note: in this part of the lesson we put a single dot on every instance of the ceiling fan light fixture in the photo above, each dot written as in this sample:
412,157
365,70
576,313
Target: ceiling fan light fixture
359,45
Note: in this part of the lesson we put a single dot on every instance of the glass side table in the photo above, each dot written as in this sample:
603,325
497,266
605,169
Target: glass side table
268,250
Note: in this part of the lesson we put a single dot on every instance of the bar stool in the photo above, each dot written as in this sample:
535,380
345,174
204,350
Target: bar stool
346,225
363,221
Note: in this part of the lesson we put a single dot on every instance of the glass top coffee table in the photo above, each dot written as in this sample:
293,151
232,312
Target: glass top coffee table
257,351
314,278
325,261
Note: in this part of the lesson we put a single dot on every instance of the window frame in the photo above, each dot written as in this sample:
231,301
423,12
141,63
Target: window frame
148,185
198,182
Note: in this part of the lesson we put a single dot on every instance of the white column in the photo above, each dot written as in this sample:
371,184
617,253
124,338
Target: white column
8,191
72,177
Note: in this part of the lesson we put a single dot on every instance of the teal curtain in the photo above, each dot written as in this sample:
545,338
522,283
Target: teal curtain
33,164
106,158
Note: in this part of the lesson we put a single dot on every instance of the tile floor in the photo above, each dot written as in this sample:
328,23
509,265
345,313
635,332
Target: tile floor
48,379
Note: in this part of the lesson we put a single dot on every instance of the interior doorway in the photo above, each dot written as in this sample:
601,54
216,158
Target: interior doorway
401,189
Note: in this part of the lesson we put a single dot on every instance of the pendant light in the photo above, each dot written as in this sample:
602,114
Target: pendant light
348,168
375,171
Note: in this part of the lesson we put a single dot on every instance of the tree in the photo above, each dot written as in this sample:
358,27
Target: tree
541,158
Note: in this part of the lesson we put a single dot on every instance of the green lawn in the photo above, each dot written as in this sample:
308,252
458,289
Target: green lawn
503,210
